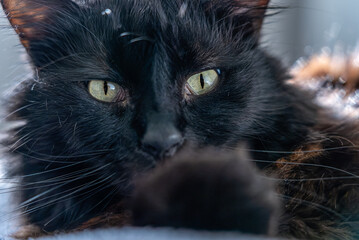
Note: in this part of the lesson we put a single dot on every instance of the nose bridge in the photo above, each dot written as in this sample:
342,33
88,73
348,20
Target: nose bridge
158,101
160,135
162,82
159,110
160,120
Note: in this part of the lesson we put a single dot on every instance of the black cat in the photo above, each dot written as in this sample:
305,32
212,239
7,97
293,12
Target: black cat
120,86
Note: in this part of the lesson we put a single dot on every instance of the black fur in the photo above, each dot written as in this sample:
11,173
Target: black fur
208,190
76,156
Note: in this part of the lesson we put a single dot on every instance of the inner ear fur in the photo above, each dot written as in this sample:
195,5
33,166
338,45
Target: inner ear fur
256,10
31,18
246,13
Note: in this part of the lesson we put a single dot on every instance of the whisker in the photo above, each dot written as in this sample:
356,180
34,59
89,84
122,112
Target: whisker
85,154
50,182
61,59
63,198
31,200
309,165
51,161
304,151
82,200
71,190
314,205
55,169
310,179
47,204
17,110
12,148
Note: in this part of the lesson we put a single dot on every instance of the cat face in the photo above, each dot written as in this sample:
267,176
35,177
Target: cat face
122,85
147,51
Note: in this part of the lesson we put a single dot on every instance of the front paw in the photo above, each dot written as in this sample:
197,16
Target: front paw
209,190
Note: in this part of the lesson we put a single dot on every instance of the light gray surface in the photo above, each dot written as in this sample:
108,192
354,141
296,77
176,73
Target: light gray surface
8,221
155,234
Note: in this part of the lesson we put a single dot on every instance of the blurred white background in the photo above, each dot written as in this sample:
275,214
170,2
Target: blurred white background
307,26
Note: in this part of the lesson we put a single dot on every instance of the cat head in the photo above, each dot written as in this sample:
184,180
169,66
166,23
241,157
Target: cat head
120,85
140,78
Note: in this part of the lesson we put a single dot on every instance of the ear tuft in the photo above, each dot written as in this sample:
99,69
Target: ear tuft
248,14
255,9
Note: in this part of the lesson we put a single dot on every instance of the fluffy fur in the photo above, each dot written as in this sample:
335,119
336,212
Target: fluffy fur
76,158
205,190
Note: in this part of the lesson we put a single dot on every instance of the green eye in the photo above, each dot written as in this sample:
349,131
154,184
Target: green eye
104,91
202,82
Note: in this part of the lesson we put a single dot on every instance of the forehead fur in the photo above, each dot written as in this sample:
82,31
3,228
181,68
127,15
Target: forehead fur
93,38
31,18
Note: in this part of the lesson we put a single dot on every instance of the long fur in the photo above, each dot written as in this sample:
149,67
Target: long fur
76,158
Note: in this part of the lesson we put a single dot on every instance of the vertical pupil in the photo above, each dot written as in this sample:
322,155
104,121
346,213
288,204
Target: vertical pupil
105,87
202,80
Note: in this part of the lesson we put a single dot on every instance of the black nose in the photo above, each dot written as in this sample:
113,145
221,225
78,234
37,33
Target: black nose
161,141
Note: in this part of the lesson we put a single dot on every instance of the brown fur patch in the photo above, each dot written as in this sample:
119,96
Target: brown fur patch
338,68
318,184
28,231
117,215
107,220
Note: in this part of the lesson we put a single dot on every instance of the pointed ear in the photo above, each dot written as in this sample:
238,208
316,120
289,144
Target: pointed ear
255,10
247,15
31,18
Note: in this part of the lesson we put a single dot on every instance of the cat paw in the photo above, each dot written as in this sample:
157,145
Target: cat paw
207,190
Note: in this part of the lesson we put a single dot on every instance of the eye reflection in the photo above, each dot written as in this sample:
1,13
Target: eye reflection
202,82
103,90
